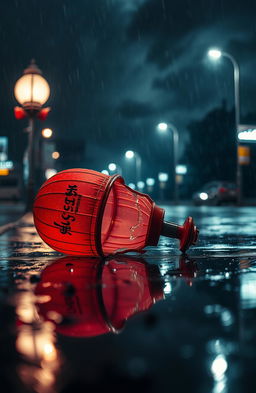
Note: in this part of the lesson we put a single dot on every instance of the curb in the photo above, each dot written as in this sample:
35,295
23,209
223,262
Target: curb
12,225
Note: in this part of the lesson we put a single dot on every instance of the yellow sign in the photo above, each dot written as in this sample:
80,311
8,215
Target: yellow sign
244,155
4,172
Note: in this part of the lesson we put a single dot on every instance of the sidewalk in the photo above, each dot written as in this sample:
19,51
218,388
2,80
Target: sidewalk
19,239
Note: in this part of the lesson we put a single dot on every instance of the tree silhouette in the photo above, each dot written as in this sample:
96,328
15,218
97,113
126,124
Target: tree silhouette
211,151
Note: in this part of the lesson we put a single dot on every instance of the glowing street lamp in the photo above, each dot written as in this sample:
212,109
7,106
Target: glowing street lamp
31,91
55,155
132,186
150,182
49,172
105,172
140,185
216,54
114,168
162,127
165,127
47,133
163,179
130,154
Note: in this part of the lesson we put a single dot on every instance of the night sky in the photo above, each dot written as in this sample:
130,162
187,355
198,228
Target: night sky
118,67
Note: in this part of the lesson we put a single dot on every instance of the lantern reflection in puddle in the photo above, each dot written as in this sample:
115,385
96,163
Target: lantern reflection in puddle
90,297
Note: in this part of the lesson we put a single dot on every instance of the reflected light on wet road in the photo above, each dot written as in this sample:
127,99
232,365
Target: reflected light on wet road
184,321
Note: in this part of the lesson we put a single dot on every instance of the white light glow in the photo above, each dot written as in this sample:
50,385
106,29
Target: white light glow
31,88
50,172
150,182
163,177
129,154
3,156
181,169
132,186
141,185
112,166
248,135
167,288
203,196
162,127
219,367
105,172
55,155
47,133
6,164
214,54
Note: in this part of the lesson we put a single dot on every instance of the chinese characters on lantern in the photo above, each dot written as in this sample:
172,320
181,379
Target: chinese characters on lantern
71,204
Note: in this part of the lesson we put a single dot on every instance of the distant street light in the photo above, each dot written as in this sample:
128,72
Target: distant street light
105,172
130,154
215,54
150,182
132,186
164,127
47,133
55,155
31,91
140,185
181,169
112,166
115,168
49,172
163,179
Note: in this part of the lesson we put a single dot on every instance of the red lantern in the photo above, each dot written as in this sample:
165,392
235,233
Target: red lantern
43,114
83,212
19,113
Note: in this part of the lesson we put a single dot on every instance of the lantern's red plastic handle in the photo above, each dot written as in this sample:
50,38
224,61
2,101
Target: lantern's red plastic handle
186,233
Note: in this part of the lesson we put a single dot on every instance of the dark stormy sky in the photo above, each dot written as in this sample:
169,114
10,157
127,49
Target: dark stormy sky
118,67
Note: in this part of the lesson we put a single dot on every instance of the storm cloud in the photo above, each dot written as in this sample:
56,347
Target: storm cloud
116,68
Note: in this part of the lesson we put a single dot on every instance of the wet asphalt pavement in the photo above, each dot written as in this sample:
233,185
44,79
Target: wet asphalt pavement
153,322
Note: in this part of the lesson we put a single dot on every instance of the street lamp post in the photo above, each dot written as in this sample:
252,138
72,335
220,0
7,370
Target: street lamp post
130,154
31,91
215,54
164,127
46,135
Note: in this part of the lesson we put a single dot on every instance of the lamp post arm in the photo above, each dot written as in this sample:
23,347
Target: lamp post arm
175,139
236,85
